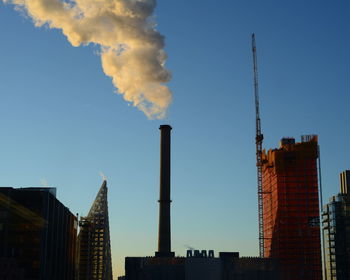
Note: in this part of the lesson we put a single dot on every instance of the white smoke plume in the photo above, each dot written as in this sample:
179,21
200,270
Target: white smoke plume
131,48
44,182
103,176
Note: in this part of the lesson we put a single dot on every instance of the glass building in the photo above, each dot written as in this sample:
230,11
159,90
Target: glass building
336,232
37,235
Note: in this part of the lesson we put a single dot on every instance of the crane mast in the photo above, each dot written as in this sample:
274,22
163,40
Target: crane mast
258,141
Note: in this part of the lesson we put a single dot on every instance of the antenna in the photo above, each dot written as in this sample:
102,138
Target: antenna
258,141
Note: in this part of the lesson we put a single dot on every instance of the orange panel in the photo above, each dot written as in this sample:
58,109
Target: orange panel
291,210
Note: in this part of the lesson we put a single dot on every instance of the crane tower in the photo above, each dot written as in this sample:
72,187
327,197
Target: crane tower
258,141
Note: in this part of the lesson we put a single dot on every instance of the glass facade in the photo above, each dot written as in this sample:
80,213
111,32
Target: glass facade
336,231
37,235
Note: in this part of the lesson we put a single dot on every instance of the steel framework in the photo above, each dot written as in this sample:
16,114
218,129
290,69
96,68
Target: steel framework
258,141
94,241
291,208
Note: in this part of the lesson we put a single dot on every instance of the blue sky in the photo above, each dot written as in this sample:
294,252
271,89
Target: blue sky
62,123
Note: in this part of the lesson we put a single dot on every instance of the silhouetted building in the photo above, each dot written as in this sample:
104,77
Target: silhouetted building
201,266
336,231
155,268
37,235
291,208
94,249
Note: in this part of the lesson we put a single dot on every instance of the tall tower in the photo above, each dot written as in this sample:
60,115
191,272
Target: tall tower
336,231
164,232
259,137
94,249
291,208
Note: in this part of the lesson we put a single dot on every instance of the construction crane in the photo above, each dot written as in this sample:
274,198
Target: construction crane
258,141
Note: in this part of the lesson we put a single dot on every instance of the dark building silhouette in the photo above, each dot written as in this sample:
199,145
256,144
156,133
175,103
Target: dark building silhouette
37,235
94,249
201,266
291,208
336,231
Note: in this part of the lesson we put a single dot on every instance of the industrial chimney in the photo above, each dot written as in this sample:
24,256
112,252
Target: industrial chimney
164,235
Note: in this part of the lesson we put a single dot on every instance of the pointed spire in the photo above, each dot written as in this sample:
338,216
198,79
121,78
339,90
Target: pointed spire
100,202
95,226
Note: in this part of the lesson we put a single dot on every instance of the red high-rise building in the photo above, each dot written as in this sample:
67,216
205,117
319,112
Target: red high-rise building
291,208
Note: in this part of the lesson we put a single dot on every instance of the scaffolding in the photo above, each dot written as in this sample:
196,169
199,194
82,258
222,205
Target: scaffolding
291,209
94,250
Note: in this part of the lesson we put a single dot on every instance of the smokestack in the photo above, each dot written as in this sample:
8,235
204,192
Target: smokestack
164,235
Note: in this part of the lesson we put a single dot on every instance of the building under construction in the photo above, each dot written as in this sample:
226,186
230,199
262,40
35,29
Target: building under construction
94,250
291,208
